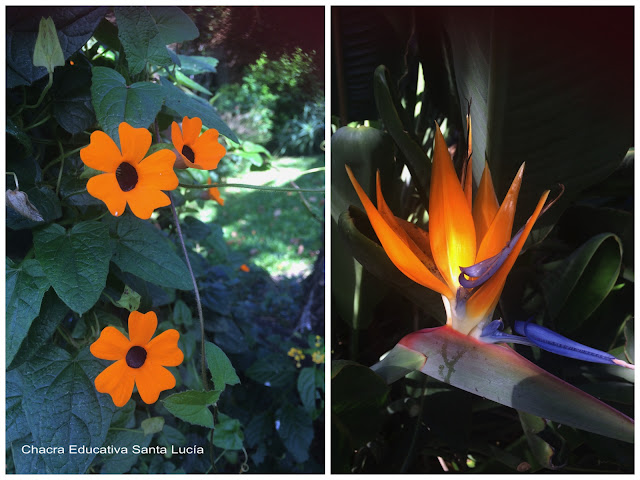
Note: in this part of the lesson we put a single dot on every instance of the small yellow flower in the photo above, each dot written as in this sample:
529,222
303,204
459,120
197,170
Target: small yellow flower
317,357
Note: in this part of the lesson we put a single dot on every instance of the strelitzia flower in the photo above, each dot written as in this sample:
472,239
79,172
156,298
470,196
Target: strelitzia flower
466,256
197,151
140,360
130,178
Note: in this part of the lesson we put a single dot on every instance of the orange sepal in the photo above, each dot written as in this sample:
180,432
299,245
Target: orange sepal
485,299
451,230
399,253
486,204
499,232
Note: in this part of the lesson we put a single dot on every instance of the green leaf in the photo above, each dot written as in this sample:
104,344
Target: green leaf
574,288
152,425
63,408
228,433
547,446
498,373
629,347
182,314
76,24
141,38
174,25
514,74
15,418
25,288
129,299
307,388
76,262
72,106
222,372
194,65
19,134
47,52
142,250
275,370
51,313
182,79
120,462
186,105
192,406
295,430
115,102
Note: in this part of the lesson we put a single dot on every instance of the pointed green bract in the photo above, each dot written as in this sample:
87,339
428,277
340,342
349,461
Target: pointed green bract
48,52
498,373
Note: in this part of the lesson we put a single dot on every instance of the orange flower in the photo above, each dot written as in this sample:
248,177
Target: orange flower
202,152
140,359
244,268
131,178
468,251
214,194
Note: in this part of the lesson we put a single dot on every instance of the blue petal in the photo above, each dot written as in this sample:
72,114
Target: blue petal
492,333
555,343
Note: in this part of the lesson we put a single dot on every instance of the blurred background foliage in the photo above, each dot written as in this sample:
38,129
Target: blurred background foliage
556,98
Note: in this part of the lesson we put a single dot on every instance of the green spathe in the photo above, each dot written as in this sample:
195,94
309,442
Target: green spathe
47,52
498,373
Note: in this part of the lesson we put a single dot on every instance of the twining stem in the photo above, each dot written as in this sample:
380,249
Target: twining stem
44,92
254,187
197,293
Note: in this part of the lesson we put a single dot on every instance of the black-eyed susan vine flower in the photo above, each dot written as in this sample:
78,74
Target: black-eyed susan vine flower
213,193
140,359
466,256
197,151
130,178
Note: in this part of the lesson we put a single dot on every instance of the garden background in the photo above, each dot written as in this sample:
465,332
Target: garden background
256,74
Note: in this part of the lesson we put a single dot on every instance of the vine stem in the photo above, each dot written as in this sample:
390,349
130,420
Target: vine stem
254,187
195,289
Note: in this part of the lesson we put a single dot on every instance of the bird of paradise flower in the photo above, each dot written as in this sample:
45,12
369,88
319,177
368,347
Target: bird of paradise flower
466,256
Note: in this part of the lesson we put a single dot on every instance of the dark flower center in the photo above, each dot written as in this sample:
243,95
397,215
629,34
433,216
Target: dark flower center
188,153
136,357
127,176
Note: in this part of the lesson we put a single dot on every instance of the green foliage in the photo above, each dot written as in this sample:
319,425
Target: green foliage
272,95
73,269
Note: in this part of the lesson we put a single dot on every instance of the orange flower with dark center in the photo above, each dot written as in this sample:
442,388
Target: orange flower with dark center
197,151
130,178
214,194
140,360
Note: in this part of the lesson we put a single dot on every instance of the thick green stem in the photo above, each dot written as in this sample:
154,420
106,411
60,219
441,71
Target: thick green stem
44,92
197,294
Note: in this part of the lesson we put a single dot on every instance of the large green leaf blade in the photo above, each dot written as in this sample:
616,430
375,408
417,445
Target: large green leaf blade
24,291
115,102
192,406
142,250
498,373
62,408
76,262
173,24
556,97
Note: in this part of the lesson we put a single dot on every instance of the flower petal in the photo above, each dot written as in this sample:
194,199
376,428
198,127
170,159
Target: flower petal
164,350
111,345
142,326
484,300
191,128
176,136
152,379
214,194
451,230
207,150
105,187
156,171
399,253
135,142
102,153
117,380
485,206
499,232
143,201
